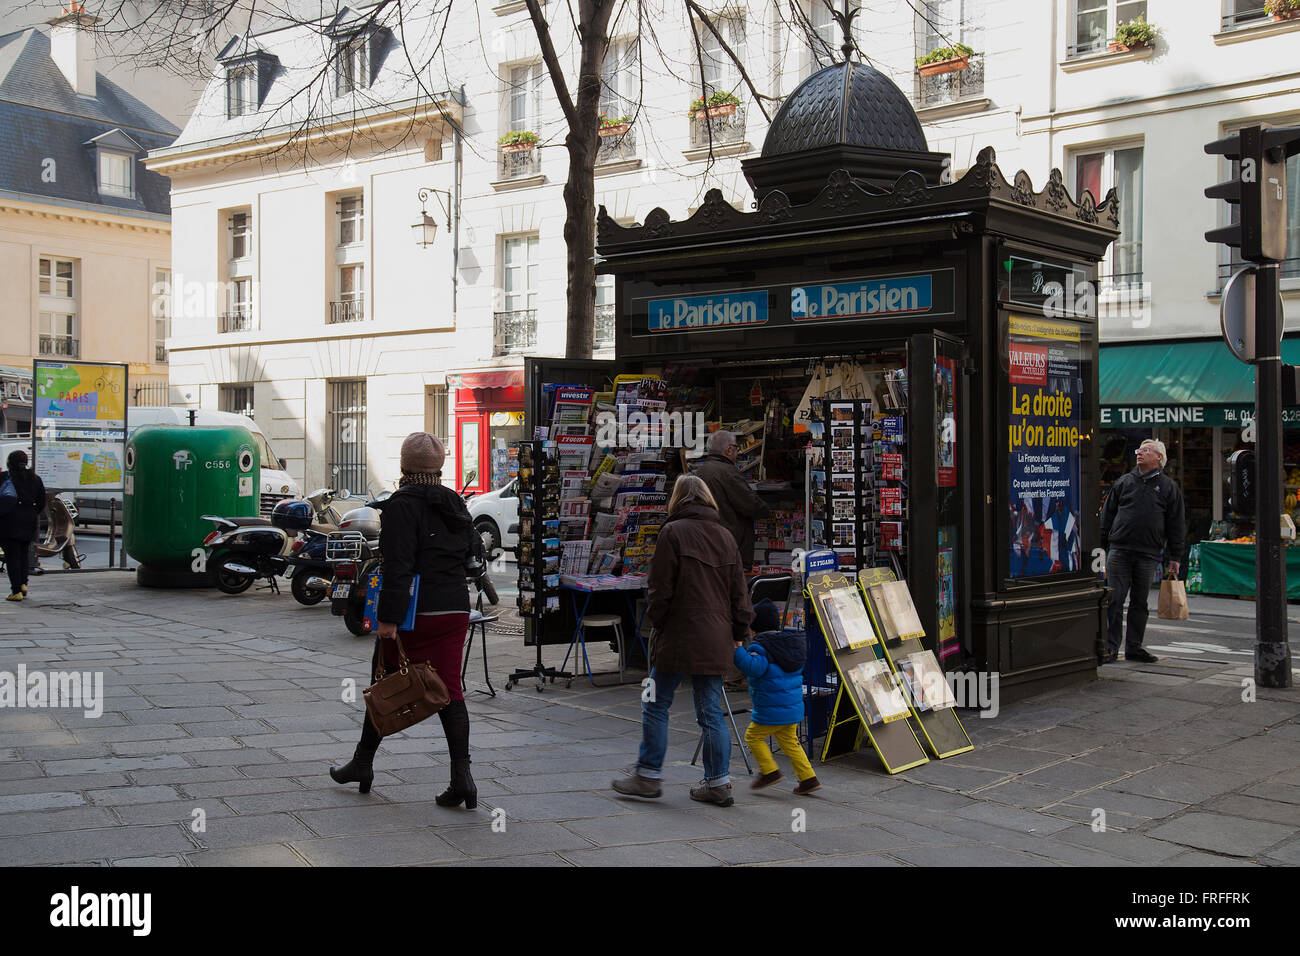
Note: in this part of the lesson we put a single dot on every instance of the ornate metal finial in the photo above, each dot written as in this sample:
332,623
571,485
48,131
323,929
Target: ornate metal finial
844,17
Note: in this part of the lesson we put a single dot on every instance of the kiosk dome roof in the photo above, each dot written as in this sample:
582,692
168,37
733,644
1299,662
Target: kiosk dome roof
848,104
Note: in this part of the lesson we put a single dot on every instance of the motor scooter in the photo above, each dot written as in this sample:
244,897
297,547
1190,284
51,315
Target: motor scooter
242,550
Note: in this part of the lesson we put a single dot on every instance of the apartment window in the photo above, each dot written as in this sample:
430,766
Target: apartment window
237,399
946,23
351,213
1290,267
824,48
162,312
516,326
525,97
115,175
240,316
352,69
1238,13
241,90
350,305
56,278
436,413
720,71
241,235
347,429
1095,21
1120,169
59,334
620,79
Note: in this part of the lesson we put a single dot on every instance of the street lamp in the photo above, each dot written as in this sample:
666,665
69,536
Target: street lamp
427,227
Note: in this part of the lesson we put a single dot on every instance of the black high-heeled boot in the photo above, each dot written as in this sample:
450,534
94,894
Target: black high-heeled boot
462,787
455,725
359,768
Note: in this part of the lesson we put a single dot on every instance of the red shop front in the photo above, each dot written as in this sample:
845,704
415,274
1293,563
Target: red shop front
489,417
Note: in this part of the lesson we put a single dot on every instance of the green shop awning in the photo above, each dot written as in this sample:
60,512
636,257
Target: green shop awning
1181,384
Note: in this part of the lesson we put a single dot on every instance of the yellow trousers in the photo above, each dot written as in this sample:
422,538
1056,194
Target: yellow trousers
756,736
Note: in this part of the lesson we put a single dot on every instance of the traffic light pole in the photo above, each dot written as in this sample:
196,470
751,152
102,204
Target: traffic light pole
1272,651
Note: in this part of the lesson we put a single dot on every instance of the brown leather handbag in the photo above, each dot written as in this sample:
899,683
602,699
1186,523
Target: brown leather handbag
406,696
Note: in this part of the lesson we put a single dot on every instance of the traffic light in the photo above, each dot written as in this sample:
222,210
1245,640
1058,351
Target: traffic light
1259,189
1241,479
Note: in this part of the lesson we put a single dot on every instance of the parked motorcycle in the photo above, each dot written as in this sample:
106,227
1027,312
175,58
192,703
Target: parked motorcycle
242,550
59,535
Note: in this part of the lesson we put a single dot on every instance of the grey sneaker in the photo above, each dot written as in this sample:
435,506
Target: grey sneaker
719,795
638,786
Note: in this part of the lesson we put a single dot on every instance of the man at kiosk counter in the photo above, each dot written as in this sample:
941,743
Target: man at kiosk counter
738,504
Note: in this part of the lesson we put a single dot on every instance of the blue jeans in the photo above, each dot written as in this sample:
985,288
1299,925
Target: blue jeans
708,713
1129,574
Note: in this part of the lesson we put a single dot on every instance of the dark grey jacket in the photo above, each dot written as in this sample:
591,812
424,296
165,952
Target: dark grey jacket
738,504
21,524
1144,513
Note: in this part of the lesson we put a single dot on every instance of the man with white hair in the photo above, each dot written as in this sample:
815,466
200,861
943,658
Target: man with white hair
738,504
1142,519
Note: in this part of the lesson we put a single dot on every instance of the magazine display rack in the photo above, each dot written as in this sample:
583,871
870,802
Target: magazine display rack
868,703
929,697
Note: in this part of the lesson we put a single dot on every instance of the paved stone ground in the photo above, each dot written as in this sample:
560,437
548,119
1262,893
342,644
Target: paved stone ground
232,705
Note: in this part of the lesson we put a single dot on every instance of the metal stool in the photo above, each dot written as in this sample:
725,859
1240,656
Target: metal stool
731,715
614,621
477,619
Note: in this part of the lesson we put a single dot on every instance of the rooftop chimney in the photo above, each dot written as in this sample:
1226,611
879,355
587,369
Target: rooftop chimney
72,45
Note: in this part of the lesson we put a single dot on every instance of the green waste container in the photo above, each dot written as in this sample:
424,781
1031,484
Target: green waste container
174,475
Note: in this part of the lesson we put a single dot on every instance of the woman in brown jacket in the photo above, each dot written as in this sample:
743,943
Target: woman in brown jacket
699,608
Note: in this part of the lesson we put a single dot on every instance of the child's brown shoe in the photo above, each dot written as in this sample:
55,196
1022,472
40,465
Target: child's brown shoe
808,786
766,780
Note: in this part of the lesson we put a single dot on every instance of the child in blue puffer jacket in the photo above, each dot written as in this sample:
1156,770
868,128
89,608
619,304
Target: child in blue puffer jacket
774,663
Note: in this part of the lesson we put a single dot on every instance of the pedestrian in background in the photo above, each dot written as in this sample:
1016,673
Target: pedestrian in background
774,663
737,504
19,517
1143,518
699,607
426,530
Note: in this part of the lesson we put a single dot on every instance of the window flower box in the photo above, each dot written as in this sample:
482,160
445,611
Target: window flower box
718,104
613,125
1283,9
947,59
518,141
1136,34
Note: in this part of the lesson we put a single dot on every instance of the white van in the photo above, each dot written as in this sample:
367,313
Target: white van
276,485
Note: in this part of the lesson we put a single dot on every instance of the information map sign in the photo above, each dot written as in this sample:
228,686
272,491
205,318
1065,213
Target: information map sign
79,424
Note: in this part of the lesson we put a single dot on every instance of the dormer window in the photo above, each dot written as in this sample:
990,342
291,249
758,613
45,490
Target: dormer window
115,175
353,68
248,76
241,90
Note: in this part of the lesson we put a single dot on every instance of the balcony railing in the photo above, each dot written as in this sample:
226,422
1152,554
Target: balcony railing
514,331
519,164
951,87
604,338
241,320
60,345
718,130
159,353
347,310
616,149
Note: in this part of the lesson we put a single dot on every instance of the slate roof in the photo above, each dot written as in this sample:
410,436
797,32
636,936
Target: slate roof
44,118
849,104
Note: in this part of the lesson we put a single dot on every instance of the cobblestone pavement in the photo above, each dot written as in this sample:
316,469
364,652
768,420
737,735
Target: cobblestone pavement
232,706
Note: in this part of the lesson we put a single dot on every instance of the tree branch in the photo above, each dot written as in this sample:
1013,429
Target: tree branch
744,75
552,62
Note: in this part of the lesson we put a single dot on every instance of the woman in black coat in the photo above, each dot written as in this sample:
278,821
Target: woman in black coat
425,530
18,526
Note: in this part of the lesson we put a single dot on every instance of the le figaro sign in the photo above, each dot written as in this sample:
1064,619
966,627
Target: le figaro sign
876,297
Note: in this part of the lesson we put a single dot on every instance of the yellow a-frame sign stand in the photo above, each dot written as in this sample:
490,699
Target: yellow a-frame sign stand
894,740
942,730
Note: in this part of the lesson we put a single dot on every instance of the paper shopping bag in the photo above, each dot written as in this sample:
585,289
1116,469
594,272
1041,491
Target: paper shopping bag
1173,600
